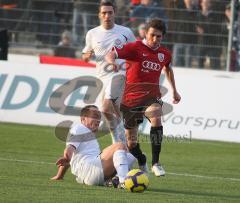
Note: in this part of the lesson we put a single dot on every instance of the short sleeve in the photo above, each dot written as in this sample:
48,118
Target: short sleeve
71,138
128,51
88,44
131,37
78,134
75,144
72,141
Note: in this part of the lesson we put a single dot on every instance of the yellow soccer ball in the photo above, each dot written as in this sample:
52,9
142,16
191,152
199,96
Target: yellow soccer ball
136,181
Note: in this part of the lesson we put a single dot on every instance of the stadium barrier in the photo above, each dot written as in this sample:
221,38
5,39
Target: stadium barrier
64,61
208,110
35,25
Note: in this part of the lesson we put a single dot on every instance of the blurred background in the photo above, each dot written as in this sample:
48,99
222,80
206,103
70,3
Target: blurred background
202,34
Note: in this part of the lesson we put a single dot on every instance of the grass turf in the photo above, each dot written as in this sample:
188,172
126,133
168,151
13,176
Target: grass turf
197,171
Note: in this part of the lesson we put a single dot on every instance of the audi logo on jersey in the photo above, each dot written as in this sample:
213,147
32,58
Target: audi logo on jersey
151,65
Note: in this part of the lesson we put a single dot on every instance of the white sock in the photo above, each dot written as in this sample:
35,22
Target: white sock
121,133
118,134
120,163
131,160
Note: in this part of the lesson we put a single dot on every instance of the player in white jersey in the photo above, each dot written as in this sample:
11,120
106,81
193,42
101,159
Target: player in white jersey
82,153
99,41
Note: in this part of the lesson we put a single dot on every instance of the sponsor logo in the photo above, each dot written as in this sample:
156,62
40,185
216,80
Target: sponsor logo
151,65
161,57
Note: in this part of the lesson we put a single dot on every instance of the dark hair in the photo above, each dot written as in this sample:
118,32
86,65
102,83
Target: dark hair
228,6
157,24
86,110
106,3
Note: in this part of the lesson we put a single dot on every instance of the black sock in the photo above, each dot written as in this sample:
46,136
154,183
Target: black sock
137,152
156,135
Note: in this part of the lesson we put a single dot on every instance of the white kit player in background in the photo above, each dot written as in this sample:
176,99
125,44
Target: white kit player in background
82,153
99,41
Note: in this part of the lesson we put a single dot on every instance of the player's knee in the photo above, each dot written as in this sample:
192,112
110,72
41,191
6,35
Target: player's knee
154,111
156,121
107,106
105,110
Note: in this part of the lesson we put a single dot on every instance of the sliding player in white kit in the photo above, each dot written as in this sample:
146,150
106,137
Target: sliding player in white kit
82,153
99,41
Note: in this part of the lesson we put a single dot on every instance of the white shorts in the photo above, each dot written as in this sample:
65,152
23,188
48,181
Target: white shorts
113,88
91,172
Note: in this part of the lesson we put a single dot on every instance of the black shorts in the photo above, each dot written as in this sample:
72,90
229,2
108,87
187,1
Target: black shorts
133,116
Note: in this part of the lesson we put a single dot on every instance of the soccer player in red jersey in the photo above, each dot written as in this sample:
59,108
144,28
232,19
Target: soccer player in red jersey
142,95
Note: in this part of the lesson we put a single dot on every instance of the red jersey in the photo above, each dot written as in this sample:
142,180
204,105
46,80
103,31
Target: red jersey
143,72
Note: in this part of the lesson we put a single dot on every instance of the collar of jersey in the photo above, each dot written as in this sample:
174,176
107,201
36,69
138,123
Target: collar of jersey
108,29
144,41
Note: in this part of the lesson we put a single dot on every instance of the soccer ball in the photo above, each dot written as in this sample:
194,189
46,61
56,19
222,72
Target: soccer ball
136,181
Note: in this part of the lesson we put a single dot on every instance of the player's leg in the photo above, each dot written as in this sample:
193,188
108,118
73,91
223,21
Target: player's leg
114,159
110,108
153,113
114,121
132,117
134,148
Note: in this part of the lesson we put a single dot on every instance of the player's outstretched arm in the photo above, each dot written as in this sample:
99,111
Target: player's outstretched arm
170,77
63,163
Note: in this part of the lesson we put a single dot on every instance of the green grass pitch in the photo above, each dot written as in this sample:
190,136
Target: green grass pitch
197,171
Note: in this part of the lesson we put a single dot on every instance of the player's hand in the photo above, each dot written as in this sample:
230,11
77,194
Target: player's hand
56,178
110,58
62,162
176,97
87,56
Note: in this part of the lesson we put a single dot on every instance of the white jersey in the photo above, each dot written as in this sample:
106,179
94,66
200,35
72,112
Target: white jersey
86,144
100,41
86,162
